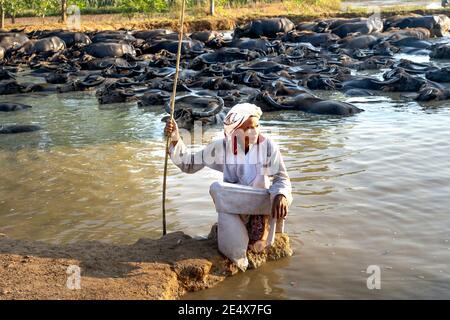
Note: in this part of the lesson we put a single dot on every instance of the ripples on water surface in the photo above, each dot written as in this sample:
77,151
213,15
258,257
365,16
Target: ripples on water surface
369,189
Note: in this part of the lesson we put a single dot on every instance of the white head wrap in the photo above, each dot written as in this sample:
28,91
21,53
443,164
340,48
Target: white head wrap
238,115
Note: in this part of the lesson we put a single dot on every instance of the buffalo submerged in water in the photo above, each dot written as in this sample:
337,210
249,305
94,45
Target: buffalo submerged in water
271,62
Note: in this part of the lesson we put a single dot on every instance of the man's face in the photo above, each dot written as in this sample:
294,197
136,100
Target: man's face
249,130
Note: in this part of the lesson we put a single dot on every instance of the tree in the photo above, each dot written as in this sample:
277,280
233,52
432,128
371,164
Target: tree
44,6
211,7
13,7
130,7
2,14
63,10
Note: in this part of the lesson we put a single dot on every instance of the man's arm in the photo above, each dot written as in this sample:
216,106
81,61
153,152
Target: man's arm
280,190
190,162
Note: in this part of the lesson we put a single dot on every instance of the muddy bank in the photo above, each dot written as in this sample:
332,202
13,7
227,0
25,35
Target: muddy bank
148,269
201,23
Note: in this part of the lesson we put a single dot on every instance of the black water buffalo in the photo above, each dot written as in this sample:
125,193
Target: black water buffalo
222,56
438,25
264,28
150,34
440,51
363,27
397,34
197,107
333,23
103,63
396,80
50,44
358,42
12,106
57,77
260,45
262,66
114,94
6,74
204,36
73,38
153,97
429,93
9,40
113,37
411,42
309,103
11,87
439,74
316,39
172,46
18,128
109,50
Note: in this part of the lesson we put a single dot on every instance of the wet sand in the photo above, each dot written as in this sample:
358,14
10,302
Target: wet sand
165,268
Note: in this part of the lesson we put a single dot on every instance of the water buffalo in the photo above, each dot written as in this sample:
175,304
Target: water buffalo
264,28
6,74
18,128
88,83
50,44
429,93
260,45
103,63
358,42
109,50
9,40
205,36
397,34
11,87
440,51
12,106
171,46
73,38
150,34
396,80
439,74
363,27
438,25
195,107
114,94
411,42
316,39
309,103
221,56
114,37
261,66
153,97
57,77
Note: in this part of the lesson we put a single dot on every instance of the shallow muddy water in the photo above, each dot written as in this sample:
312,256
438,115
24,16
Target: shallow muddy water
372,189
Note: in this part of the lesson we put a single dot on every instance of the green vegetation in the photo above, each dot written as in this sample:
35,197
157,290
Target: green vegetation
42,8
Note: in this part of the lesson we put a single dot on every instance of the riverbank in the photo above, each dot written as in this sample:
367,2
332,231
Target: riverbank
165,268
225,18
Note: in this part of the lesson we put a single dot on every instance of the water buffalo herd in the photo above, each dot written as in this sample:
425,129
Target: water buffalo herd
271,62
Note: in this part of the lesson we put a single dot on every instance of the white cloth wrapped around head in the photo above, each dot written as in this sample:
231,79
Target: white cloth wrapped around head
238,115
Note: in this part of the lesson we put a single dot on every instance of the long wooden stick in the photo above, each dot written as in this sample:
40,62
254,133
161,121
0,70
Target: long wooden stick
172,108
